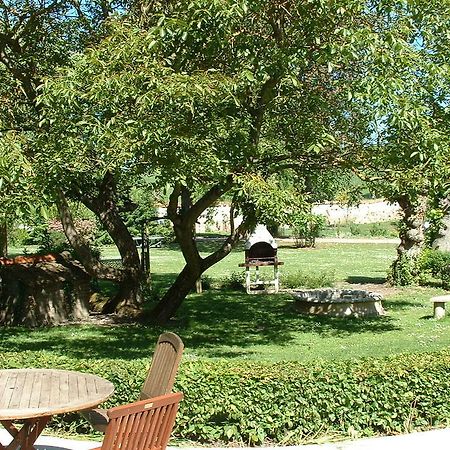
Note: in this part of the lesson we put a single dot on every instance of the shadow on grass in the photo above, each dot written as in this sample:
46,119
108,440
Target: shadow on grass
218,323
365,280
399,305
235,319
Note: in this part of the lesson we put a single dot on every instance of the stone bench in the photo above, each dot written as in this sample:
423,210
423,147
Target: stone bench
439,305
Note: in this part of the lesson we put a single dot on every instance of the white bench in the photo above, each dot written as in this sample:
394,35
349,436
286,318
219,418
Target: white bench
439,305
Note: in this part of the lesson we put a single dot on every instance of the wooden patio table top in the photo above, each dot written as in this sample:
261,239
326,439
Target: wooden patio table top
34,395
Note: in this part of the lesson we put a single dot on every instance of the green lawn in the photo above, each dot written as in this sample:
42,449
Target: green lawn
349,262
230,324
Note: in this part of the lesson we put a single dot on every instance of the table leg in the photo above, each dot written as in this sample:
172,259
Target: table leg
27,435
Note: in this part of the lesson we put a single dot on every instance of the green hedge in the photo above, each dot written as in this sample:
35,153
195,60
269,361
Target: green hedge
283,403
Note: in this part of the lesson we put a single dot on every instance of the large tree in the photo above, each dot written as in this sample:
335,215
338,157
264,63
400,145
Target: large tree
407,158
36,38
219,97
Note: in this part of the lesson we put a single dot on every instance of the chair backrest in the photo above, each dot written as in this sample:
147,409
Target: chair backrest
164,366
143,425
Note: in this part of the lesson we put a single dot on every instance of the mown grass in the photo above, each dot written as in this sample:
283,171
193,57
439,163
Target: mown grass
222,323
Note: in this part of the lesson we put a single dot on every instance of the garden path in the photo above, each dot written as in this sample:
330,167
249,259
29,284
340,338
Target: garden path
433,439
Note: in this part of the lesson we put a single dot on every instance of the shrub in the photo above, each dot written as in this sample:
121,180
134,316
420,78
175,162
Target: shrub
307,280
305,228
235,281
430,267
18,236
377,230
355,230
283,403
402,271
435,263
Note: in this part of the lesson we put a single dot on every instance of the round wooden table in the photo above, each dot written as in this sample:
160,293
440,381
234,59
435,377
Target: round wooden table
33,396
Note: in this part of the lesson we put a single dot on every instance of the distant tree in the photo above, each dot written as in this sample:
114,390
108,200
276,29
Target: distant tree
407,158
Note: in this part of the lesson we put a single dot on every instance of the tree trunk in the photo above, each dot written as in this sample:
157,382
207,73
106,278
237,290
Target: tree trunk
412,240
127,299
195,265
129,296
3,240
175,295
412,235
92,265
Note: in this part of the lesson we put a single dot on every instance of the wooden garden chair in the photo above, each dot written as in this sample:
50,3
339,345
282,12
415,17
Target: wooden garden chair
143,425
160,377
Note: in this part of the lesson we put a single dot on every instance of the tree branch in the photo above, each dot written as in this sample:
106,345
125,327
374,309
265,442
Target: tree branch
207,200
266,95
235,236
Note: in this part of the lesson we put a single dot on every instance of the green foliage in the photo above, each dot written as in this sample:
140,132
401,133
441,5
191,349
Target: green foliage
354,229
36,38
275,94
366,230
306,227
271,200
431,267
435,214
162,228
378,230
434,264
235,281
308,280
18,236
52,242
18,190
403,271
284,403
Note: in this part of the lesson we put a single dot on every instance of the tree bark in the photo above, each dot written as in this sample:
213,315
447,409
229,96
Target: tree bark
412,239
129,296
3,240
195,264
175,295
412,235
92,265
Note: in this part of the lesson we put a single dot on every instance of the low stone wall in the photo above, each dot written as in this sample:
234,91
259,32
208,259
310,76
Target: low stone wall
218,218
36,291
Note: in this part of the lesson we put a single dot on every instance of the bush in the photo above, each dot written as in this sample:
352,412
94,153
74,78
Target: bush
18,236
355,230
434,263
235,281
377,230
307,280
305,228
431,267
402,271
283,403
164,229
